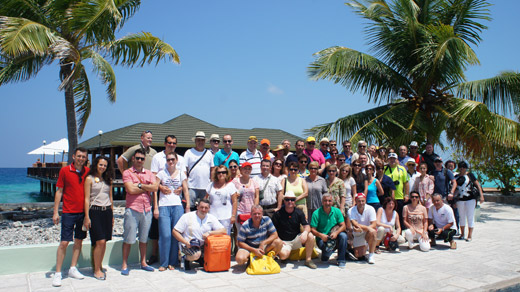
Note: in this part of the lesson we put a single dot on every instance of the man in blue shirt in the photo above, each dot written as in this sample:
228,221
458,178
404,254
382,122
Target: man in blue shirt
226,154
258,236
445,183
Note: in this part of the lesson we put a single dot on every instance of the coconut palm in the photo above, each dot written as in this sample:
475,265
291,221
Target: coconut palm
416,77
35,33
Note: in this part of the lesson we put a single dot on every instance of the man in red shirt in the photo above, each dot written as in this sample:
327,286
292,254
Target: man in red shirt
71,188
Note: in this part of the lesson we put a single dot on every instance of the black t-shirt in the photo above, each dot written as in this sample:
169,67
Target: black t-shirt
288,225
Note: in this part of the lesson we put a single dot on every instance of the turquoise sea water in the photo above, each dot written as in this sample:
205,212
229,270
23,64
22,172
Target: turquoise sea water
16,187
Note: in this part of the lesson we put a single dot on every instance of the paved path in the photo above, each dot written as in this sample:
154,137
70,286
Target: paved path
489,261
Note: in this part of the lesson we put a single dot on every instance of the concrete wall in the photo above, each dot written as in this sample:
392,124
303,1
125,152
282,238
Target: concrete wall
42,257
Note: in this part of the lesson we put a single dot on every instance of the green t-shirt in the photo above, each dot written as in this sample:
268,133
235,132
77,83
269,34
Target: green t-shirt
323,222
399,174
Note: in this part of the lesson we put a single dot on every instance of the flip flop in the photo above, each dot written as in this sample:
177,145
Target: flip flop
171,268
162,269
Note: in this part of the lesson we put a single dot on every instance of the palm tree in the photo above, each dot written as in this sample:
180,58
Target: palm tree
35,33
416,77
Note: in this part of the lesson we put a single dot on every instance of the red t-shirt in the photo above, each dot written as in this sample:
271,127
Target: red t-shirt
73,188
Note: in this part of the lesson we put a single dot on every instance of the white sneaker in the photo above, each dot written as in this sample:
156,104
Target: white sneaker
371,259
56,281
74,273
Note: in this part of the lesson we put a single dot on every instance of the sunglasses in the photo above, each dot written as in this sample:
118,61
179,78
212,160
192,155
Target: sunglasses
278,164
146,132
356,165
362,146
332,144
369,168
332,170
414,197
311,143
334,153
380,168
313,168
293,169
233,166
341,159
290,199
171,143
140,158
221,172
325,144
303,161
227,141
215,141
170,159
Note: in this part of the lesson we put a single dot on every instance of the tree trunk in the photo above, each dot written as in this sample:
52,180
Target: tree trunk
72,128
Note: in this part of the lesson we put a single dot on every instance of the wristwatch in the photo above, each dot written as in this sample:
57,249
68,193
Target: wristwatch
139,185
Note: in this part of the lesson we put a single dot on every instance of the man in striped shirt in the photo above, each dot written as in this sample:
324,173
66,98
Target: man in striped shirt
258,236
252,155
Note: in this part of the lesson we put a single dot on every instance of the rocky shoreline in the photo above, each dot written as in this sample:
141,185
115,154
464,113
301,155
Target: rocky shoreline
31,223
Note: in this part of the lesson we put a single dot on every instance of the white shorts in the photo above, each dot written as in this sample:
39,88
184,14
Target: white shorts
359,239
296,243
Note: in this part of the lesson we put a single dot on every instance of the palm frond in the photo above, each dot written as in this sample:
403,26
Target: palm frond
139,49
82,97
96,20
19,36
127,8
104,71
358,71
20,68
28,9
464,16
499,93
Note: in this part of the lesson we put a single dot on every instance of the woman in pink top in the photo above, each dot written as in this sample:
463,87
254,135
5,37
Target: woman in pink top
248,191
424,186
416,220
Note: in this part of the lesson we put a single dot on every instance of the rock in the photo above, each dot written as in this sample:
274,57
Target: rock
17,224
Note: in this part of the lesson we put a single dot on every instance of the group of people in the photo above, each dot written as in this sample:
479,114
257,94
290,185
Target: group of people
268,197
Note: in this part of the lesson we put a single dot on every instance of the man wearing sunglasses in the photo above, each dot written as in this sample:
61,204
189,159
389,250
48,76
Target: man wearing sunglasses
252,155
347,151
362,149
270,188
289,221
70,186
159,159
125,160
226,154
314,154
139,183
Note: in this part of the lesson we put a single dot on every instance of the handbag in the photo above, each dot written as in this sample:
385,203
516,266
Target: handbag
264,265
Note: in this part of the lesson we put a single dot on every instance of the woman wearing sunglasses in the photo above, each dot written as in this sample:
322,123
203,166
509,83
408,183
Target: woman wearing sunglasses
372,188
298,186
416,220
468,191
345,174
359,176
388,222
248,193
222,195
336,188
233,170
316,186
173,185
424,185
277,170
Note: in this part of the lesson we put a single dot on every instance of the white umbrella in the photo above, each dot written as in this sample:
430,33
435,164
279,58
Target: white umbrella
53,148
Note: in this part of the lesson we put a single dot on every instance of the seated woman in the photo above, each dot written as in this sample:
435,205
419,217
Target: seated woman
416,220
388,222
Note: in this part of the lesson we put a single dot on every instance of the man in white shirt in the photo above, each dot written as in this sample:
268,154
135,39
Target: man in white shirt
270,188
193,228
199,163
252,155
363,219
159,159
441,222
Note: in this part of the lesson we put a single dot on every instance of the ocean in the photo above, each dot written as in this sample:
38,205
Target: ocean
16,187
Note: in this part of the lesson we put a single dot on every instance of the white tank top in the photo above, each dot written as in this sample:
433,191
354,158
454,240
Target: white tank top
385,221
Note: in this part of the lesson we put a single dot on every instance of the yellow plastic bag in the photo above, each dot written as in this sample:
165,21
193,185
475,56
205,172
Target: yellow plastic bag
299,254
263,266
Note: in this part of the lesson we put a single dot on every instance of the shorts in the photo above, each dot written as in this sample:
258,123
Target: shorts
296,243
71,223
359,239
100,224
134,220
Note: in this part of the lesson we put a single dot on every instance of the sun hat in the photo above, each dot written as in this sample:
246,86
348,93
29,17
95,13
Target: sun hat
265,141
324,140
279,148
289,194
214,137
392,155
199,135
414,144
410,160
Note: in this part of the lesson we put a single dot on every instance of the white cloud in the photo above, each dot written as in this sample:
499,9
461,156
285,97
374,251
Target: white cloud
273,89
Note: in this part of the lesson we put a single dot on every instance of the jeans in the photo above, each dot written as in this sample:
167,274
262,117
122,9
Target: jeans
168,245
341,246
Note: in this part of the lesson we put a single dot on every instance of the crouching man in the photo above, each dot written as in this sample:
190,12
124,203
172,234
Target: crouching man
328,225
441,222
193,228
288,221
258,236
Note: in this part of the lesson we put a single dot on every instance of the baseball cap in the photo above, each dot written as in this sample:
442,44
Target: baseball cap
392,155
311,139
265,141
414,144
252,138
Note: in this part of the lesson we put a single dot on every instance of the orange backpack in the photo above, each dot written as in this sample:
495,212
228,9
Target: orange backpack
217,253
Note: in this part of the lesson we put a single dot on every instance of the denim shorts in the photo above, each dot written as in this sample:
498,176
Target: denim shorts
133,221
71,223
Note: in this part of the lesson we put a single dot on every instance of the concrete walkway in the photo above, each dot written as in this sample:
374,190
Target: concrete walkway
490,261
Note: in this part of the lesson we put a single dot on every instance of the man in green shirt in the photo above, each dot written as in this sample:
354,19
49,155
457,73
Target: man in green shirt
328,236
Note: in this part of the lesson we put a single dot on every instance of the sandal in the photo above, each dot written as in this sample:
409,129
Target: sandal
377,251
162,269
171,268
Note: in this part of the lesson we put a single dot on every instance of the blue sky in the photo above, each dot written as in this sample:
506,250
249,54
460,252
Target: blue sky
243,64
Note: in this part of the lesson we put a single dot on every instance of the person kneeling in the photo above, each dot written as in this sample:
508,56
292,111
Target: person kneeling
288,221
193,228
442,222
328,225
258,236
